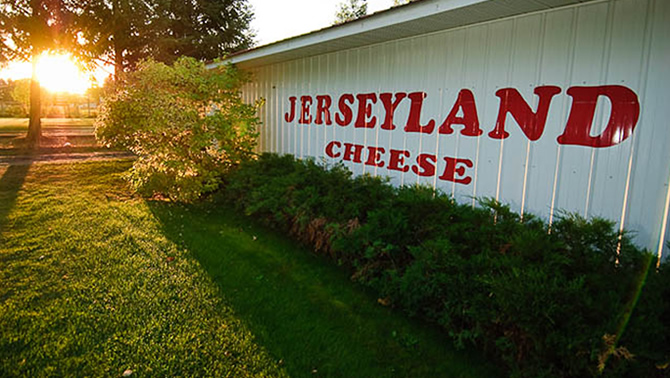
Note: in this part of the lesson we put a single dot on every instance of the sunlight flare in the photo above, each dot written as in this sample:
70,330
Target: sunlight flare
59,73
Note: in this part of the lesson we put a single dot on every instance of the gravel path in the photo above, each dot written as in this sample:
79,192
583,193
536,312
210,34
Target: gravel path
57,137
66,157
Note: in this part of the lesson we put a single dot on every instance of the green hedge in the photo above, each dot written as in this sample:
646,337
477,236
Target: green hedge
563,303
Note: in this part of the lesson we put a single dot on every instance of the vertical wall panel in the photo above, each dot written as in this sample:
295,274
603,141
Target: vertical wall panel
402,82
367,70
652,160
518,150
390,63
614,43
484,173
559,34
577,161
612,177
453,81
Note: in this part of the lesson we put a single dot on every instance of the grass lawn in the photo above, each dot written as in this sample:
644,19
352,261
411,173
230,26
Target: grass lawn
95,281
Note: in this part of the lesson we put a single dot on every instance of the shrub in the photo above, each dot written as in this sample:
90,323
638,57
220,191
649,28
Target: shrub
186,124
540,303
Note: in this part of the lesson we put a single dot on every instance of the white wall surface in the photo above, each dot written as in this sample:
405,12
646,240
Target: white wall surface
618,42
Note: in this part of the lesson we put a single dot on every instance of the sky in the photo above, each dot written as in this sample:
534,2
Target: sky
276,20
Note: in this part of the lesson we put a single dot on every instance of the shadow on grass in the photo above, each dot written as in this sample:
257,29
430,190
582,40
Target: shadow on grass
10,185
304,310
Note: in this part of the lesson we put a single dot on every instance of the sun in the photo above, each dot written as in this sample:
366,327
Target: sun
59,73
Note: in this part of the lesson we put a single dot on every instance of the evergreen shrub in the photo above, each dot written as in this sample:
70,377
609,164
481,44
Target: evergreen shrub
580,300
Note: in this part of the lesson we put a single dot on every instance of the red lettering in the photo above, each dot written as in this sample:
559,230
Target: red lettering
623,117
329,149
456,167
397,160
352,152
390,107
365,110
531,123
305,116
426,165
465,102
374,156
323,108
343,118
289,117
414,118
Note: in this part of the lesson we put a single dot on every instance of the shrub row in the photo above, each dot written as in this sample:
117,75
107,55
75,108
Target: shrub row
558,303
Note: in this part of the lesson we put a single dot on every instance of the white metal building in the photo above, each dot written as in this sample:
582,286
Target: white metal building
546,105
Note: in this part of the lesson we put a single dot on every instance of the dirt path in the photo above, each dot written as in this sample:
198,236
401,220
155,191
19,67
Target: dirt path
65,157
62,142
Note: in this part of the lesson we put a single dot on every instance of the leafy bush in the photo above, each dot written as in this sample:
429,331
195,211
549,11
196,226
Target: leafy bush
540,303
187,125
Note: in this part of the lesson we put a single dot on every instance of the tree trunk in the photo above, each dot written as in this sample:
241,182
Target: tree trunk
118,60
35,125
118,49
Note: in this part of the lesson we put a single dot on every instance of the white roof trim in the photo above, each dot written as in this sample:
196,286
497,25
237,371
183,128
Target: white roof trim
415,18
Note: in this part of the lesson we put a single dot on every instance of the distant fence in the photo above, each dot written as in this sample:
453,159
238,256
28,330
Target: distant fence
51,110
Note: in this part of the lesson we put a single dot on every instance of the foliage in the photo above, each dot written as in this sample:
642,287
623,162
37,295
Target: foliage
31,27
540,303
128,31
349,10
187,125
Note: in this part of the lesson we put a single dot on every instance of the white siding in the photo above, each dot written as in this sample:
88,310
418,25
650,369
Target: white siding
618,42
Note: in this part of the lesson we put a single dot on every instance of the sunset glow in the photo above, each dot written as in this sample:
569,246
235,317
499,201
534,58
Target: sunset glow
56,73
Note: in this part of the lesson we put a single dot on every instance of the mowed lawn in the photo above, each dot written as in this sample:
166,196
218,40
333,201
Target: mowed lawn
95,282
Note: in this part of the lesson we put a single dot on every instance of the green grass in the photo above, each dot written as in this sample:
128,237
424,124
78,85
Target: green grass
95,281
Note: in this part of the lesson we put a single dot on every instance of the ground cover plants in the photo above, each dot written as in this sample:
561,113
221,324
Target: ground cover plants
580,300
96,281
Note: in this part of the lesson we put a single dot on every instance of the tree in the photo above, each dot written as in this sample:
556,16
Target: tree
350,10
21,94
203,29
187,125
128,31
29,28
116,30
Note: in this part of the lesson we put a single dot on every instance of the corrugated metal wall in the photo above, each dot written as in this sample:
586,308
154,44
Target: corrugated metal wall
620,42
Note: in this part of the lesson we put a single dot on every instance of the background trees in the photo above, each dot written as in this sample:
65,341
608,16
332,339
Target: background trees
126,31
350,10
20,93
